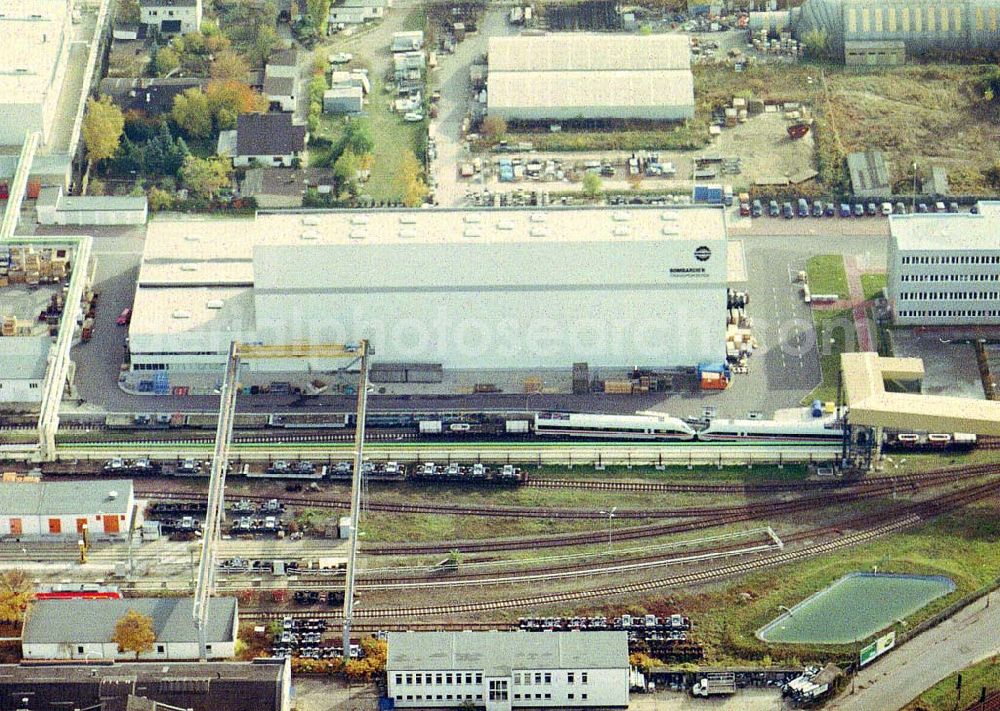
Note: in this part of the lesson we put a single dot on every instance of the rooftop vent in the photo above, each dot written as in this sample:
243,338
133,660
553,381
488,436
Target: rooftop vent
358,234
310,220
668,216
471,219
505,225
620,216
359,220
310,234
473,232
538,217
539,231
213,304
181,313
407,219
622,231
192,238
407,233
189,267
669,231
112,495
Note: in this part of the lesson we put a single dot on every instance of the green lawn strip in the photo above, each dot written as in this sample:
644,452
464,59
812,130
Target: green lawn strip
827,275
834,334
872,285
961,545
944,695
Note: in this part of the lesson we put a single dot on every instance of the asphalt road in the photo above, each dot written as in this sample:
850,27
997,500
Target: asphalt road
896,679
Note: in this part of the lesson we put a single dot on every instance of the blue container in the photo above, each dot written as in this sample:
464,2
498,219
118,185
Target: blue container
145,386
711,194
817,408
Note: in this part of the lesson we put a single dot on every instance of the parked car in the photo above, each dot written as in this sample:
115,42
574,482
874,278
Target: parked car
872,209
845,209
803,207
341,58
886,209
952,207
922,207
744,209
817,208
773,209
787,211
830,210
900,209
413,116
974,209
859,210
757,208
125,317
939,207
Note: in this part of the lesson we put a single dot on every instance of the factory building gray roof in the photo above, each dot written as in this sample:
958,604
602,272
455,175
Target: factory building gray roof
582,52
24,357
941,232
499,652
869,174
64,497
207,686
93,621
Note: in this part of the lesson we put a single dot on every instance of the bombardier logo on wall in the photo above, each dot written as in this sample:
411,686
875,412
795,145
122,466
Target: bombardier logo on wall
703,253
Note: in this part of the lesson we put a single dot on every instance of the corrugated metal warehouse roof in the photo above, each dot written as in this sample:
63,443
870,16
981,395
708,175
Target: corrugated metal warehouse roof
577,75
64,497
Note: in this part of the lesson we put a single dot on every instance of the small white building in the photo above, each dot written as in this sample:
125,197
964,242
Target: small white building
280,91
24,359
54,208
944,268
343,100
61,509
82,629
171,17
507,670
353,78
356,12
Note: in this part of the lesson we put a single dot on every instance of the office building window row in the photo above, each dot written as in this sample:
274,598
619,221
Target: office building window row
439,678
948,295
949,277
955,259
439,697
958,313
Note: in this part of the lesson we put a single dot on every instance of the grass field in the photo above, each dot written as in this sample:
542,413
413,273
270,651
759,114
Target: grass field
834,335
872,285
827,275
943,696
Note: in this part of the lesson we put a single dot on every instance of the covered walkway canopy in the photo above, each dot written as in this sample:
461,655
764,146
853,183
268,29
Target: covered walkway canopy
864,379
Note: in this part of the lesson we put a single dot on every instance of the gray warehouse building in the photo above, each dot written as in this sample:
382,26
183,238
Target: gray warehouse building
466,290
871,31
561,77
944,268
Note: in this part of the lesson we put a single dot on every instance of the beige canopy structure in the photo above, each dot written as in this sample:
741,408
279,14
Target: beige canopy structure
864,385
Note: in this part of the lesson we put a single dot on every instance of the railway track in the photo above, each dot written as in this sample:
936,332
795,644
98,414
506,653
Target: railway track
903,520
834,494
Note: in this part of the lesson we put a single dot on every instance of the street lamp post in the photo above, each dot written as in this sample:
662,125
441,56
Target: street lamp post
610,514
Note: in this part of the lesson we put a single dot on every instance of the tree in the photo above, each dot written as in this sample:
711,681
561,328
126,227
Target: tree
318,12
167,60
235,96
415,189
592,185
205,176
816,43
264,42
15,594
134,633
160,199
192,113
494,127
345,170
358,137
229,65
102,128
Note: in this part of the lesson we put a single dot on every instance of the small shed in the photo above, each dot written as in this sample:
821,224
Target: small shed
407,41
54,208
338,79
343,100
869,174
938,184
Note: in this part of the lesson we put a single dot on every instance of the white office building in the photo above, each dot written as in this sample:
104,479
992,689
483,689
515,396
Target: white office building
34,49
64,510
944,268
500,671
171,17
459,289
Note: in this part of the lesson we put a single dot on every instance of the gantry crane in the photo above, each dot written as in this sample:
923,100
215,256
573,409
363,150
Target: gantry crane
205,584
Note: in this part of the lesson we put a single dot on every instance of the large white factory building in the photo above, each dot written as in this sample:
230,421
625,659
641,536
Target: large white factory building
452,289
944,268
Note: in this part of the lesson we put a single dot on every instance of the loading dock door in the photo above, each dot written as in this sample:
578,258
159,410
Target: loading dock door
15,527
111,524
55,526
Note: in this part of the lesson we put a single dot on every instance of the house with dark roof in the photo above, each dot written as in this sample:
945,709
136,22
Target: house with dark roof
82,629
281,92
261,685
270,139
170,17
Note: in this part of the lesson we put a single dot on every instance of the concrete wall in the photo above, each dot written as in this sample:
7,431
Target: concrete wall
109,650
37,526
26,391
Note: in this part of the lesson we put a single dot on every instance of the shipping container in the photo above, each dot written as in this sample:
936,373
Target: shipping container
711,194
429,427
34,189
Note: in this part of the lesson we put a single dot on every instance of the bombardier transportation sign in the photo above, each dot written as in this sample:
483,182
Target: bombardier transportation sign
701,255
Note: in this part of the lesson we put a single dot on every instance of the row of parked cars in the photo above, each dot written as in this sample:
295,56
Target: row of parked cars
803,208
